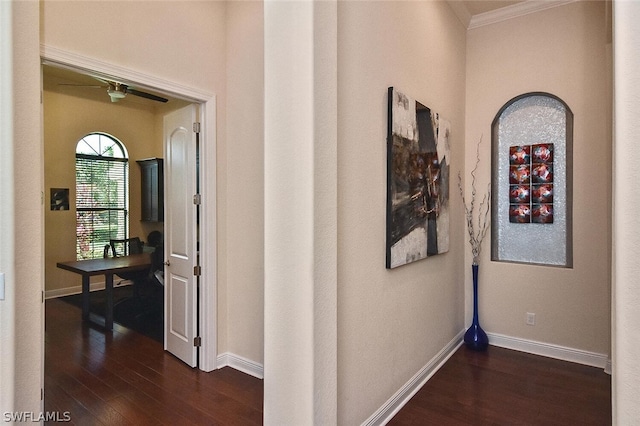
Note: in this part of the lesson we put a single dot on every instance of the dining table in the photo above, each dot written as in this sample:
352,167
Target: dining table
108,266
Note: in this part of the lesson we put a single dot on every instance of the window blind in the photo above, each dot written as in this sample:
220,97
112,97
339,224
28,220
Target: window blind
101,203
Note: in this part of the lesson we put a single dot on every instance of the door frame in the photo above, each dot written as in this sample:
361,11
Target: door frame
208,223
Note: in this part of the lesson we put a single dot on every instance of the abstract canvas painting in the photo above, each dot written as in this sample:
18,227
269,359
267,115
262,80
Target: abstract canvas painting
417,181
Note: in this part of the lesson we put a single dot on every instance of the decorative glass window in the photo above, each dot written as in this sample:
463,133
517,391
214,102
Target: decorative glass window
102,188
532,137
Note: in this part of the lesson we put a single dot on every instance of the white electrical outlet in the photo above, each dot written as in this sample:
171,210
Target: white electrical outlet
531,318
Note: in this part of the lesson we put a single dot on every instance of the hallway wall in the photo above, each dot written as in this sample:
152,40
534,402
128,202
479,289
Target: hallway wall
563,51
391,323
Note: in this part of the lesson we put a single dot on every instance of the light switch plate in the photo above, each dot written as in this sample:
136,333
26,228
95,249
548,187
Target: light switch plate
1,285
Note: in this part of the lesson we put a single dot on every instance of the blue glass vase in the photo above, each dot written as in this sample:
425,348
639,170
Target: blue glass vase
475,338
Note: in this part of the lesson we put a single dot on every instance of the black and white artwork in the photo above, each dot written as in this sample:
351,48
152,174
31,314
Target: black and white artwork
417,181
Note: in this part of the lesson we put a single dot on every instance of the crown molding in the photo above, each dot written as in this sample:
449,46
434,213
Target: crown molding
514,11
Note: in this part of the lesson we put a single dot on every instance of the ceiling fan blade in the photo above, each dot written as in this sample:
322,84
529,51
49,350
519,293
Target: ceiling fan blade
146,95
89,86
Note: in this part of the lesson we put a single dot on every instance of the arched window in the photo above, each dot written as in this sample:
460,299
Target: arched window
102,188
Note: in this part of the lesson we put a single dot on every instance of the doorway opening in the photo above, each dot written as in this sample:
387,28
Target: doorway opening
83,74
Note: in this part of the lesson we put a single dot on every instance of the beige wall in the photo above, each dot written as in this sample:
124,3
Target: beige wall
28,163
561,51
244,254
66,120
391,323
180,41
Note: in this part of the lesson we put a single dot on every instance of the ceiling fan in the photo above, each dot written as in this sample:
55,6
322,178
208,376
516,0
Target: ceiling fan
117,91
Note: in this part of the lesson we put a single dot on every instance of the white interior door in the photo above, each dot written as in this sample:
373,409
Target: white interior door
181,297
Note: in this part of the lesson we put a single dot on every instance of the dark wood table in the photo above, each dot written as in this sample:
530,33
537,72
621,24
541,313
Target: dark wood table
107,267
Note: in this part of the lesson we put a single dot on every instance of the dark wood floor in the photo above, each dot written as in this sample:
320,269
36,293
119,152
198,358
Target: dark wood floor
125,378
505,387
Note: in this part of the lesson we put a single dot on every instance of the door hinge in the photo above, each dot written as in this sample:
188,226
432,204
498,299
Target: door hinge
196,127
197,270
41,394
197,341
197,199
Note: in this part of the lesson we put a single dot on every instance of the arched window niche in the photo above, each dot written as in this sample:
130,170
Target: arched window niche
531,144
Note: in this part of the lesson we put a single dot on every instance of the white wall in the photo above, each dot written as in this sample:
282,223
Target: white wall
7,213
626,368
300,213
561,51
391,323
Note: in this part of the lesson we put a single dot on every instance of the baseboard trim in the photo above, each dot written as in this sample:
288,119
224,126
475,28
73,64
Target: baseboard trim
385,413
390,408
239,363
69,291
552,351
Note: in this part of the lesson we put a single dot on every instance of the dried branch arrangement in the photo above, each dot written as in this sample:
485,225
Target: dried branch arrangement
476,226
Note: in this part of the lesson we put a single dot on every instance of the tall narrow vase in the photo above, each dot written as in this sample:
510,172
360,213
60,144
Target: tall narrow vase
475,338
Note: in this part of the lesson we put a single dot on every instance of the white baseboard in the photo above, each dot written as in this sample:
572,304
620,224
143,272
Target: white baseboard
552,351
68,291
385,413
239,363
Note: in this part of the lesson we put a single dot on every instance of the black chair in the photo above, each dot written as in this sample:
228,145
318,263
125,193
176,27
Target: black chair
155,240
125,247
151,311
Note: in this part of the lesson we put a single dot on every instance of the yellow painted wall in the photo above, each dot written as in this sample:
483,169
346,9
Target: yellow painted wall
68,118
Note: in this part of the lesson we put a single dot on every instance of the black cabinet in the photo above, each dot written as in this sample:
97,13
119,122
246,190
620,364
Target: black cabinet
152,175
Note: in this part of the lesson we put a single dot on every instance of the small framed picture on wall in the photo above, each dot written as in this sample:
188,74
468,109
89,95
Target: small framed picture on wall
59,198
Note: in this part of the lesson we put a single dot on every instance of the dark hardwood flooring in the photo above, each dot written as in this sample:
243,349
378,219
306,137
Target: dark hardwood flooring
506,387
124,378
